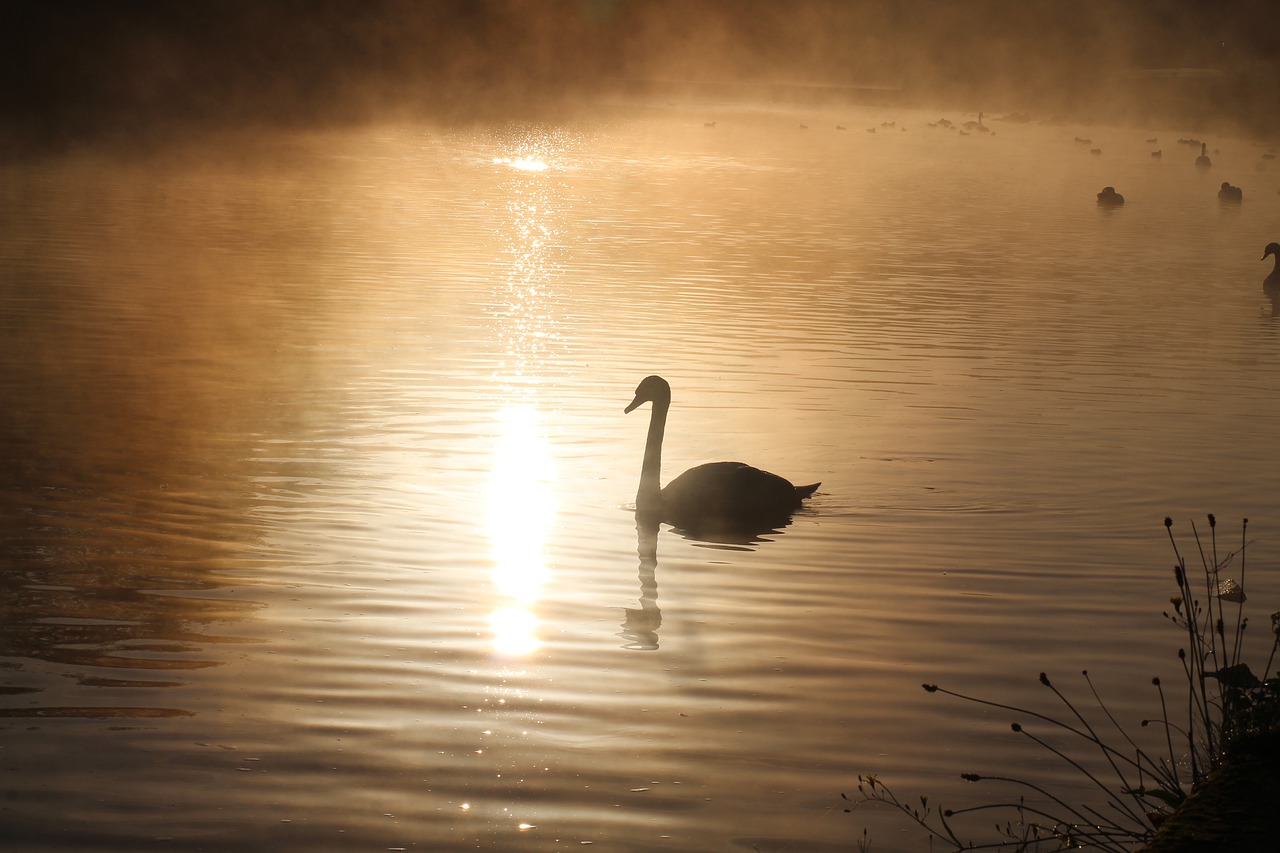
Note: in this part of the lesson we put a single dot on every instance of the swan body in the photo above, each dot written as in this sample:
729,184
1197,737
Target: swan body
1110,198
1203,160
1230,193
715,495
1272,280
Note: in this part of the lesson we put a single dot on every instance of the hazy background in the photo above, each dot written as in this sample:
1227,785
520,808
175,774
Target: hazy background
79,70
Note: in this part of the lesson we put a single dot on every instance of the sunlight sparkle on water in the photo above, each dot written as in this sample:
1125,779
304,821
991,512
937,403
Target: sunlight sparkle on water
524,164
521,510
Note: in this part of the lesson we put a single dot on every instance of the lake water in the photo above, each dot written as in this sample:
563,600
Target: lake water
317,486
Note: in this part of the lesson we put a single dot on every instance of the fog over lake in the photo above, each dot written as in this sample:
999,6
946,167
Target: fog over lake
319,521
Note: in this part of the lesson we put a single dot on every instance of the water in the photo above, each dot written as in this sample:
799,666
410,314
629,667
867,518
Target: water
316,528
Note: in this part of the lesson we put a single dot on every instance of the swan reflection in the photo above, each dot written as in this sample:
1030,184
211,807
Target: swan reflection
640,624
521,511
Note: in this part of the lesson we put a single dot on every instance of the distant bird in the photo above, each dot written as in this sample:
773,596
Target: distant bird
1110,198
1152,141
1080,140
840,127
976,125
804,127
1203,160
714,496
710,124
1095,150
1272,280
1230,193
1157,154
871,130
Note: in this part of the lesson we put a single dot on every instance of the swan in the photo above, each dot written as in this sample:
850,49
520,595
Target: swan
1230,193
1110,198
1203,160
1272,280
717,494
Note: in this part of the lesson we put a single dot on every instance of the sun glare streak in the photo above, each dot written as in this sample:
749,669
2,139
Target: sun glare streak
524,164
521,510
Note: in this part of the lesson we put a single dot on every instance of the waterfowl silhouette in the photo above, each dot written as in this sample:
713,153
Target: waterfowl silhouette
1230,193
1203,160
1273,280
715,497
1110,198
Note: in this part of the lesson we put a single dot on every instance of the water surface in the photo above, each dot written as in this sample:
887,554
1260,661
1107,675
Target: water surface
317,484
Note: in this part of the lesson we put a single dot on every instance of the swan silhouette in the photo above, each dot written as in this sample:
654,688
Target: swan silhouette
1273,280
1203,160
1230,193
717,496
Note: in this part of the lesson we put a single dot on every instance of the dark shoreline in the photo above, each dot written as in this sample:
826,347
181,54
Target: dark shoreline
1232,810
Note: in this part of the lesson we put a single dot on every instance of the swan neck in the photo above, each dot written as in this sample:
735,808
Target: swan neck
649,496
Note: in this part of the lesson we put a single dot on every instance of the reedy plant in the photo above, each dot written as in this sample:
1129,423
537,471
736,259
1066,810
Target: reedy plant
1226,704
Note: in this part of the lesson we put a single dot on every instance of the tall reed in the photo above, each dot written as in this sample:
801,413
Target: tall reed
1226,704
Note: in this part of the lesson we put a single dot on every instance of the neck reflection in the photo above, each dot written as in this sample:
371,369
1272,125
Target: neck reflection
640,624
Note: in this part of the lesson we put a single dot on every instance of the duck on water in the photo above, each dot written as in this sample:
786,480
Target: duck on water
717,496
1110,198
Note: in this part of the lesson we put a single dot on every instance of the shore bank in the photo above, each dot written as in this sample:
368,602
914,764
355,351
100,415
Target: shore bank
1233,810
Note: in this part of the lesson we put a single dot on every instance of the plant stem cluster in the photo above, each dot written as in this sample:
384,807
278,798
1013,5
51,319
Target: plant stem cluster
1226,705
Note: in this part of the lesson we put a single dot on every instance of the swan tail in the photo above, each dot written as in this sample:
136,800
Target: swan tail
803,492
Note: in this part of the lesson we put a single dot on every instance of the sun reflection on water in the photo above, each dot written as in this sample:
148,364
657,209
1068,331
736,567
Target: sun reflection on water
522,508
524,164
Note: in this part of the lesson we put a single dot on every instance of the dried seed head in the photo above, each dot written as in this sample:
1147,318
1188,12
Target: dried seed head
1168,522
1213,522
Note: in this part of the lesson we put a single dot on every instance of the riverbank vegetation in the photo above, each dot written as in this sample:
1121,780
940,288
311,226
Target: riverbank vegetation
1213,734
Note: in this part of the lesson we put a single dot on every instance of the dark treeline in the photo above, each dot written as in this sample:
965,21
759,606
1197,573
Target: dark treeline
76,69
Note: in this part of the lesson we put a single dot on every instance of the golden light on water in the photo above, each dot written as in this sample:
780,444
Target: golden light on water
524,164
522,509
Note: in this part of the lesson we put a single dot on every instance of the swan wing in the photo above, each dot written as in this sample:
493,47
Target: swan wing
730,490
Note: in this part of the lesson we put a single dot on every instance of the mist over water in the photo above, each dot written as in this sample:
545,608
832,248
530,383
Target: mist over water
82,72
318,323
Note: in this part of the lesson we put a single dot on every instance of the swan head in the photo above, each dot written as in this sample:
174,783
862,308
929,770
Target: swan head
653,389
1272,249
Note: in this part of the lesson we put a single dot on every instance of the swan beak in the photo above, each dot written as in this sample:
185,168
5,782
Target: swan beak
636,402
